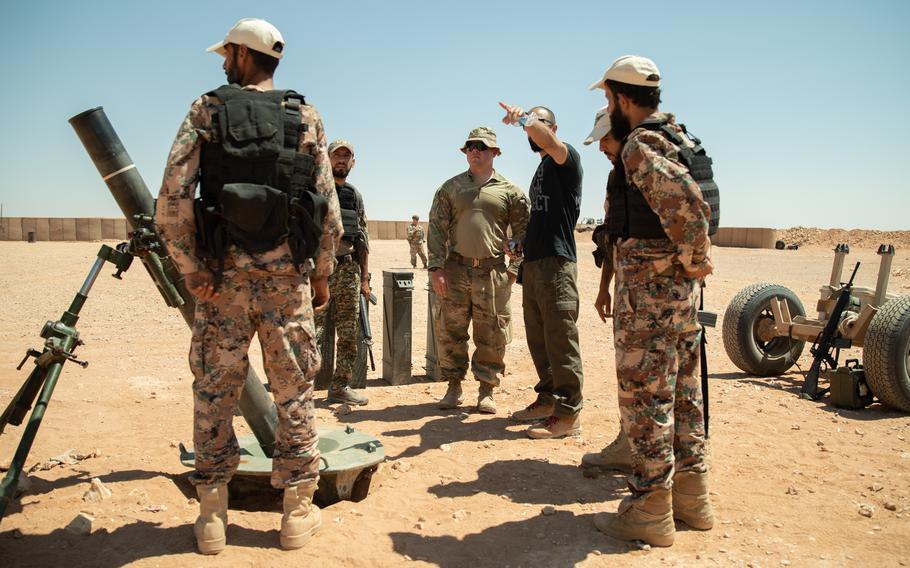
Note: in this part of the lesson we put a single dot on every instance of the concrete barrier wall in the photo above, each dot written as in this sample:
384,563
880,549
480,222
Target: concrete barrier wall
745,237
97,228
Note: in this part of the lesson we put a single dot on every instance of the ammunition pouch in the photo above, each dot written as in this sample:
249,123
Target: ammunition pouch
255,216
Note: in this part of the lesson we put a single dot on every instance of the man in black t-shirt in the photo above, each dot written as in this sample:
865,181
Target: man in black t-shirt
549,278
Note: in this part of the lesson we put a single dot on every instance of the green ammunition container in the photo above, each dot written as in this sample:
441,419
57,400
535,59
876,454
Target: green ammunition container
848,386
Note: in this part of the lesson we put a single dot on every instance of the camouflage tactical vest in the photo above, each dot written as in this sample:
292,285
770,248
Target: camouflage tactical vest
256,187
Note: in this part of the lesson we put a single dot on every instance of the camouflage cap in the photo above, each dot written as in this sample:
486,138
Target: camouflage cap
255,34
340,144
481,134
602,126
632,70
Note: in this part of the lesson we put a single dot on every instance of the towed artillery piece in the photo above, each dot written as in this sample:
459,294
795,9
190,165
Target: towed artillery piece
765,330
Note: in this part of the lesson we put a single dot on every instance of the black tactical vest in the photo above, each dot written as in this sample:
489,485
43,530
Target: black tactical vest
628,213
350,220
256,187
698,164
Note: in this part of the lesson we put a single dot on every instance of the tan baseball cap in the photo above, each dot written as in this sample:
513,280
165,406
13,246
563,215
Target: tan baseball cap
602,126
255,34
632,70
340,144
481,134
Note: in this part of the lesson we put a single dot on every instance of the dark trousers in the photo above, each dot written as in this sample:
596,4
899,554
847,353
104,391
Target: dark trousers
550,303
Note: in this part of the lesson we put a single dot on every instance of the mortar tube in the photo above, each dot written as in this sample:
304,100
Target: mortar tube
133,197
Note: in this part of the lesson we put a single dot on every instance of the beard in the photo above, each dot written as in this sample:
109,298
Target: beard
340,172
534,147
233,74
619,124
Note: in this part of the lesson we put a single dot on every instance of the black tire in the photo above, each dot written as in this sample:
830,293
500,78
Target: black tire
886,354
741,321
780,245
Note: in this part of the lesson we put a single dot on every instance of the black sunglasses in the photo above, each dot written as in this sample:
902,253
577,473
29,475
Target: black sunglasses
479,146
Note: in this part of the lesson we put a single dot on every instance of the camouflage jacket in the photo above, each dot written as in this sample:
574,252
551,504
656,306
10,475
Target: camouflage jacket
473,221
174,210
653,166
415,234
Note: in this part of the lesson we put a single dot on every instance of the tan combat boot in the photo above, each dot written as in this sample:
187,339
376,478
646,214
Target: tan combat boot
648,517
301,517
211,525
615,457
556,427
533,412
453,396
485,402
690,500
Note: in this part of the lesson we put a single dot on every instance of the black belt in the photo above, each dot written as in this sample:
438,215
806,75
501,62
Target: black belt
478,262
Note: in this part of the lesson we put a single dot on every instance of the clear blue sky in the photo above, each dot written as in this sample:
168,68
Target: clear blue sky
801,104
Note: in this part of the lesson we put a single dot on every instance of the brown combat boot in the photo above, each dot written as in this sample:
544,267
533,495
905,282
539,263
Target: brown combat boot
301,517
533,412
556,427
615,457
690,500
648,517
453,396
211,525
341,392
485,402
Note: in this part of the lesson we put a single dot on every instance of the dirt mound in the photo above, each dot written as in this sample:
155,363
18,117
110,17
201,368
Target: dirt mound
856,238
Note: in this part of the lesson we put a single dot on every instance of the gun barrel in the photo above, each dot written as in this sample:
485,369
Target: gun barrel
118,171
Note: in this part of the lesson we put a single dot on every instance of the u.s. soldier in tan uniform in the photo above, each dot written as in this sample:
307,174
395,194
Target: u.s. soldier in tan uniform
265,284
468,226
416,239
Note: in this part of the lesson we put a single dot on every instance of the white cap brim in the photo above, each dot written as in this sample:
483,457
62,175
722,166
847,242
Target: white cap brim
218,48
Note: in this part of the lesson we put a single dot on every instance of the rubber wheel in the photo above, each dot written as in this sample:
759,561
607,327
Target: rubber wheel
886,354
780,245
744,315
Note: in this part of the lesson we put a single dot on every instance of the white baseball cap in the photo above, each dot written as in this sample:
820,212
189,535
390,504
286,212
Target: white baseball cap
632,70
602,126
255,34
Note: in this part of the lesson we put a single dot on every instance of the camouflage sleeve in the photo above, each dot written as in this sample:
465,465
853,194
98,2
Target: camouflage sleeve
324,185
674,196
519,215
362,219
439,223
174,209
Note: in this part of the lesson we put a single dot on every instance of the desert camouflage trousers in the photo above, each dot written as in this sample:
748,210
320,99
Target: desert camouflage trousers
657,336
417,250
344,290
481,296
278,309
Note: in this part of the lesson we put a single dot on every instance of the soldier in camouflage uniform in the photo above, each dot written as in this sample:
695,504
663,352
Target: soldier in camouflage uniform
616,456
415,240
350,279
658,282
469,220
267,293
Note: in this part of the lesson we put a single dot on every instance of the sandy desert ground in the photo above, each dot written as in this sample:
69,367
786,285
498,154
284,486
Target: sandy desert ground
789,477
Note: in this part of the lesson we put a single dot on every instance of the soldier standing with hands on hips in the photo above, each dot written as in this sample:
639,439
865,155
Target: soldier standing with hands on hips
260,237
